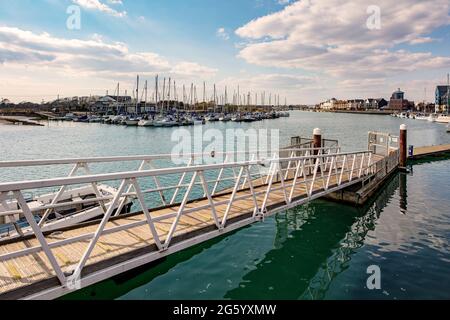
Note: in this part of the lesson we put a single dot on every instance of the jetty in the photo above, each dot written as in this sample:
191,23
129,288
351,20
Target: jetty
20,120
430,151
179,206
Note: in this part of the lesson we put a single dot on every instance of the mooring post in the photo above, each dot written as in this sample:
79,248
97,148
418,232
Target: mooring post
317,140
403,146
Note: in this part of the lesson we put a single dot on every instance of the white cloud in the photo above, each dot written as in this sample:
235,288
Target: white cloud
332,37
100,6
93,57
223,34
274,81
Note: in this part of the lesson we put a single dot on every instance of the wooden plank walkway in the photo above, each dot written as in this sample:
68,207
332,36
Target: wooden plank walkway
431,151
32,273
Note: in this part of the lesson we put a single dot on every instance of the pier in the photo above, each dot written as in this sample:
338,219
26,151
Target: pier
179,207
19,120
430,151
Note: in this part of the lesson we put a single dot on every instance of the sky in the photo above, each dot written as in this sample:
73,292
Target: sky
307,51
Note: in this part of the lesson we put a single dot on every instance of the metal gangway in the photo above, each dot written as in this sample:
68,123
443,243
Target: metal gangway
176,207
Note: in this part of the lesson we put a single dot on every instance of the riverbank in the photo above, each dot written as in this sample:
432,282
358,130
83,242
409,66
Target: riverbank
369,112
18,120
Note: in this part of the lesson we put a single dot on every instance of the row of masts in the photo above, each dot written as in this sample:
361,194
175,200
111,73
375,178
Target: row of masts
166,96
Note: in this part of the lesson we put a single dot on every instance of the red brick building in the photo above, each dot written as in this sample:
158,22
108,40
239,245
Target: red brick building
399,103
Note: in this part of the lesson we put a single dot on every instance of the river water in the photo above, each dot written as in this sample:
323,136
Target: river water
317,251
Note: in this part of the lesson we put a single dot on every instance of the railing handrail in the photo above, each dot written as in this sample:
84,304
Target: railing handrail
48,162
44,183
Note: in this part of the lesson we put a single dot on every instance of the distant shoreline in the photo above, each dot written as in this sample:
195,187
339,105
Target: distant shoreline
19,120
378,113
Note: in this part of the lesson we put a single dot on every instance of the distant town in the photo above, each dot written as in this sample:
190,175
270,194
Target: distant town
248,102
397,103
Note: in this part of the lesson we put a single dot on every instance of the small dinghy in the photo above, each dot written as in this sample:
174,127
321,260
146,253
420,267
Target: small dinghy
73,208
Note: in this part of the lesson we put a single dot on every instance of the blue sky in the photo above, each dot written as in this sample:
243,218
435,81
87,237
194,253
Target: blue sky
305,50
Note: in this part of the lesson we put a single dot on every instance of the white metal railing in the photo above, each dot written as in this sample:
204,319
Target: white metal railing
383,143
317,174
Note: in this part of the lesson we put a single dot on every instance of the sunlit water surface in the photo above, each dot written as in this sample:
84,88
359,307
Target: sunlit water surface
316,251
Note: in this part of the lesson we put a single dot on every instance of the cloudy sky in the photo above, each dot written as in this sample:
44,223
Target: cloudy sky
305,50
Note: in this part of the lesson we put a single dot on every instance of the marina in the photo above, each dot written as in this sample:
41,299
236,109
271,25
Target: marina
169,120
216,158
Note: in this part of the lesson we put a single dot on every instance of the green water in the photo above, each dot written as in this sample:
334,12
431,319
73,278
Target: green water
317,251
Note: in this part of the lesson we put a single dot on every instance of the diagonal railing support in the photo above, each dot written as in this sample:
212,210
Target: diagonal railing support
232,197
180,212
210,199
78,269
147,214
39,236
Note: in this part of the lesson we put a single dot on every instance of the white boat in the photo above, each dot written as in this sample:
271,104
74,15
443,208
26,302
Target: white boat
198,121
225,118
422,117
248,118
70,117
443,119
212,118
187,121
432,118
95,119
119,119
76,209
165,122
237,118
131,121
108,119
146,123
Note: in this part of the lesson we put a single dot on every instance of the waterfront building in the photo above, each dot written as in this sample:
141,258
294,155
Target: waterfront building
399,103
341,105
426,107
355,104
4,103
442,99
109,104
375,104
327,105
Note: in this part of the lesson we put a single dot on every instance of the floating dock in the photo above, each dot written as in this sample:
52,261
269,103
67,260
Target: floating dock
209,200
20,121
430,151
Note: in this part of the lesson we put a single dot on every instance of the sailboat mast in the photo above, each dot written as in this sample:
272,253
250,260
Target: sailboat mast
146,93
163,95
137,94
448,91
215,102
184,97
117,97
191,96
204,91
156,93
226,95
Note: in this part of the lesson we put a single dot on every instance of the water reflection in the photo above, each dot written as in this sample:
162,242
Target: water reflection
403,193
308,256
